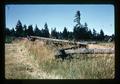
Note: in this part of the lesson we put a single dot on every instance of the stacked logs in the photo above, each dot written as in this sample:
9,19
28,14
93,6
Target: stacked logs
64,53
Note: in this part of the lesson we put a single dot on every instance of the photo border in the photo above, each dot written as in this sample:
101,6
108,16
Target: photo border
116,4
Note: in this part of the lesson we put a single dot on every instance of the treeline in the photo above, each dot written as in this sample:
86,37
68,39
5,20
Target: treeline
80,32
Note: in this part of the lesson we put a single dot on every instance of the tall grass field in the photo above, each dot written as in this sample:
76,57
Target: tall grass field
25,59
83,66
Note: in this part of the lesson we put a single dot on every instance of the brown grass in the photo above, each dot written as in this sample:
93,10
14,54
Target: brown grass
35,60
91,66
20,64
101,45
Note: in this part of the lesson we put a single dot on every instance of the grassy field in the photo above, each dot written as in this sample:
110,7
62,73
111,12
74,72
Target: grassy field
37,62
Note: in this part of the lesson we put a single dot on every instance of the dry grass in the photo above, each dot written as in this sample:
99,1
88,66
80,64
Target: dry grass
109,45
35,60
13,66
102,45
20,64
83,68
39,50
91,66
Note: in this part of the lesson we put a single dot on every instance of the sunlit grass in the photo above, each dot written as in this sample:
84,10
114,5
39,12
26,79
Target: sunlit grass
91,66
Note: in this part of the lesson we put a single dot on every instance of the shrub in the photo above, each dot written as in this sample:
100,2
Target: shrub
8,39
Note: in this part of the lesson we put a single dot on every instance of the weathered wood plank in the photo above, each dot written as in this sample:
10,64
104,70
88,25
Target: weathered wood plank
79,44
67,53
85,51
89,51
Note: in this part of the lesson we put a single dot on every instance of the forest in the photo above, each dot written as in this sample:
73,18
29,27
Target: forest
80,31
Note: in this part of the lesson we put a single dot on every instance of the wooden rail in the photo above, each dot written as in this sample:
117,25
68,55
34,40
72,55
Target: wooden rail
64,53
89,51
58,41
79,47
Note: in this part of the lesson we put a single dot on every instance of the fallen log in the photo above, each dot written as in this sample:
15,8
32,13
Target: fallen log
57,41
89,51
64,53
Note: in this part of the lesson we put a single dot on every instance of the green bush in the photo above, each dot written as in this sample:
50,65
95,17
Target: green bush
8,39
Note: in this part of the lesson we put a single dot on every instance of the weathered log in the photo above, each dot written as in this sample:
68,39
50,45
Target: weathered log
61,54
64,53
79,44
89,51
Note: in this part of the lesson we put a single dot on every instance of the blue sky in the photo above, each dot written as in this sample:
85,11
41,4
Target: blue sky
60,16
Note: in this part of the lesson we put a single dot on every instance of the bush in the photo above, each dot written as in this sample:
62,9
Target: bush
8,39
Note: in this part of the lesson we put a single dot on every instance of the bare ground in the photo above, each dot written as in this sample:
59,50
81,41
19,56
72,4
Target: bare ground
19,64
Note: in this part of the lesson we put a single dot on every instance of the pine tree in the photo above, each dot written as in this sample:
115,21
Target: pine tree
113,37
85,35
19,29
86,26
94,34
25,30
90,36
12,32
46,30
54,33
77,19
30,30
65,33
101,36
60,36
70,35
7,31
37,32
76,33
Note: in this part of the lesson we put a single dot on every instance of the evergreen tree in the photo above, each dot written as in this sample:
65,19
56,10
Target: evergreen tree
85,35
37,32
70,35
77,19
98,37
90,36
12,32
19,29
65,33
25,30
7,31
76,33
79,31
54,33
94,34
86,27
30,30
60,36
113,37
101,36
82,34
46,31
42,32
